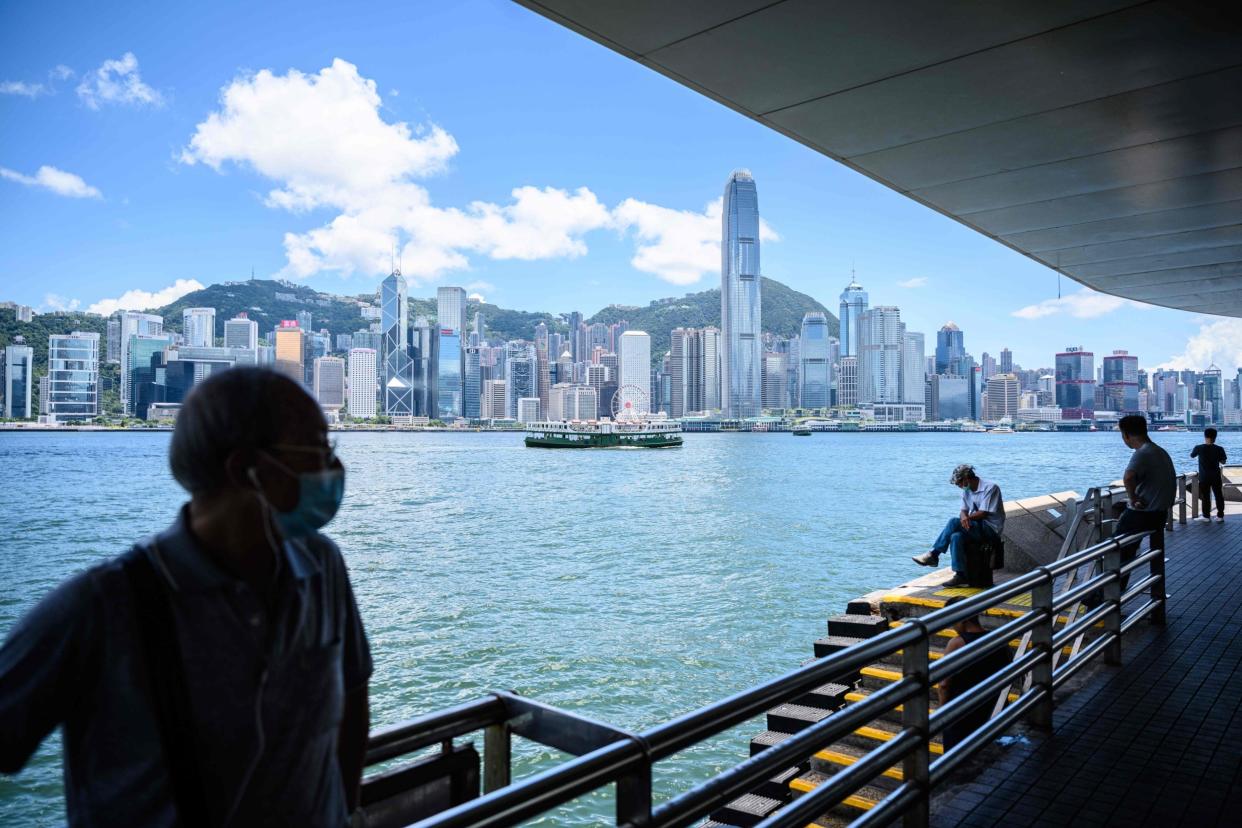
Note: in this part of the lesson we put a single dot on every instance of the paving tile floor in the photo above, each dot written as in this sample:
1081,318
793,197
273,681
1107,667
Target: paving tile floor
1156,741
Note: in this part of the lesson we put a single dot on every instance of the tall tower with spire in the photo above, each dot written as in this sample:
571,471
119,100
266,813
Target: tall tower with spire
853,304
741,357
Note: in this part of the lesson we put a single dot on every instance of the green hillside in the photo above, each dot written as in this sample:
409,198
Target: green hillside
783,308
268,302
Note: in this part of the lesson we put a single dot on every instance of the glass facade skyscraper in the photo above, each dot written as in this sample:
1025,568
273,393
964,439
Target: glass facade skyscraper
73,376
853,304
814,364
18,373
1121,387
1076,384
741,358
398,373
448,376
950,350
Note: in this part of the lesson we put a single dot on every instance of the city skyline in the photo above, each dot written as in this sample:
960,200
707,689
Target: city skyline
118,177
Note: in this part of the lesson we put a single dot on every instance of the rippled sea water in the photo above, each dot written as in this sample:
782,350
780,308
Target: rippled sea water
629,585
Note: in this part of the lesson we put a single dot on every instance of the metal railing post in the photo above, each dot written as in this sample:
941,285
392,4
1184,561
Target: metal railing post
1194,496
1112,596
914,715
1041,638
1181,498
634,797
497,751
1158,592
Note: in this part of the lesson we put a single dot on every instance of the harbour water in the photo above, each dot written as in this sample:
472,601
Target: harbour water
630,585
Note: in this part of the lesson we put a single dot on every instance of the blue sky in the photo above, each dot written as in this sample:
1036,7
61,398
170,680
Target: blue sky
151,146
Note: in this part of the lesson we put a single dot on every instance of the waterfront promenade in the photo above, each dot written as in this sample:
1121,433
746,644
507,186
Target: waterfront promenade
1155,741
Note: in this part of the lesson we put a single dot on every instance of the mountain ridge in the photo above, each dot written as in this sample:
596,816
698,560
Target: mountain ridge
269,301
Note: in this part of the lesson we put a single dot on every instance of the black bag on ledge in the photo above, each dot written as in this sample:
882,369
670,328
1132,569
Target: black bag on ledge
981,558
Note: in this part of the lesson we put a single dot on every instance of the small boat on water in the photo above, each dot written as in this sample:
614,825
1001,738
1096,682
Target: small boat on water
604,434
800,431
1002,430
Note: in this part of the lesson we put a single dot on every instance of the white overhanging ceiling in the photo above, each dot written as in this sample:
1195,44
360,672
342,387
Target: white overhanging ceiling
1100,138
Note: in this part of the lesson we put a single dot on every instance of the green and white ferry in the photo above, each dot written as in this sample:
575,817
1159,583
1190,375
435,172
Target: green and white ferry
604,433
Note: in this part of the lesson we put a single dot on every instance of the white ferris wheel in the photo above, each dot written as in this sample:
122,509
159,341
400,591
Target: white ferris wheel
630,402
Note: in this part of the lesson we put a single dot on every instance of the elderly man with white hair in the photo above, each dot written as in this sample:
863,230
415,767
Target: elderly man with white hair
982,518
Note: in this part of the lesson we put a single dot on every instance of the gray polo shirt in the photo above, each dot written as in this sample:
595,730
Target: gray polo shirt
986,499
266,687
1155,478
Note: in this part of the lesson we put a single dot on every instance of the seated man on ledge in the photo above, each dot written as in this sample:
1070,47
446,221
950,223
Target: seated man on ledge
982,519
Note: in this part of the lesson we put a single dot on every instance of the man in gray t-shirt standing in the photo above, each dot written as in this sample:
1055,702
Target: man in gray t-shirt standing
1151,485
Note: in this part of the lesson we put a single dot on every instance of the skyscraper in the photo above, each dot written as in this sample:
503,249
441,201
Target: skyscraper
575,322
880,355
363,383
741,358
521,377
1121,388
398,372
198,327
471,382
129,323
451,309
1002,397
711,368
853,305
814,363
913,376
18,379
492,405
1076,383
635,373
449,376
847,383
1006,361
291,351
950,350
72,377
775,377
329,382
241,332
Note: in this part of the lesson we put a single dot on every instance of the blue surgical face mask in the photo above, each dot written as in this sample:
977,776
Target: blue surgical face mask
319,497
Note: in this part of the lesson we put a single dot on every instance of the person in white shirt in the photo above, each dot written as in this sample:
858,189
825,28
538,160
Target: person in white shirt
982,518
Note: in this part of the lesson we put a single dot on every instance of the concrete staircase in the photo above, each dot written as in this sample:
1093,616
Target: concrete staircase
784,720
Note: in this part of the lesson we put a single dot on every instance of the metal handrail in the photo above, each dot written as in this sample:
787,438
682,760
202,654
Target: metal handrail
614,756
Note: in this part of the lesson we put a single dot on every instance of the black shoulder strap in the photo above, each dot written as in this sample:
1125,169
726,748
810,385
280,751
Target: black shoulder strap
165,676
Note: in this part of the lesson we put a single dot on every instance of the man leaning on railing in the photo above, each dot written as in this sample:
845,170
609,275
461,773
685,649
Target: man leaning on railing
1151,486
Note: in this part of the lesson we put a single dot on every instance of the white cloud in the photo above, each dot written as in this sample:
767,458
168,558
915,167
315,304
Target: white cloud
480,285
142,299
116,81
1219,342
26,90
916,282
476,297
1082,304
56,302
321,138
58,181
678,246
61,72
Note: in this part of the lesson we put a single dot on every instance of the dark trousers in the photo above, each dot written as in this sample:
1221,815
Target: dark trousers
1134,520
1207,488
